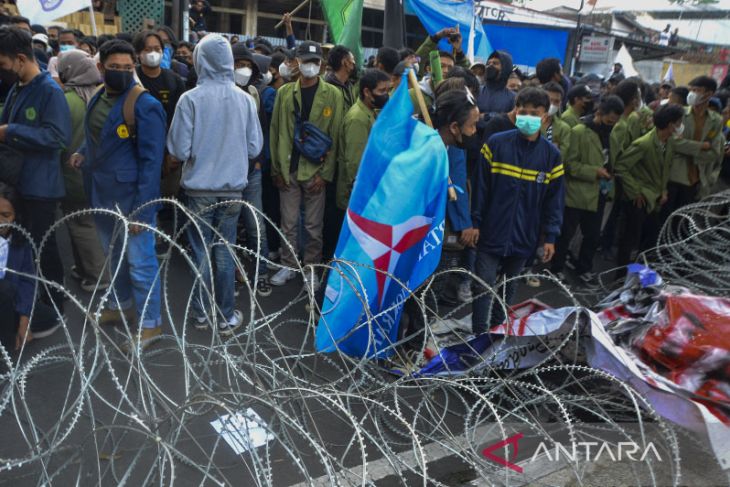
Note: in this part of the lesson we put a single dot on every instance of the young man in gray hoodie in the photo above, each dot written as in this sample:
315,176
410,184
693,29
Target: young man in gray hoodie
215,154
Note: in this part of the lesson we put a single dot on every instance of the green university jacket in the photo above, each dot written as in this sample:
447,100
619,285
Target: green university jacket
353,139
626,130
327,114
72,178
709,162
644,168
561,135
570,117
582,161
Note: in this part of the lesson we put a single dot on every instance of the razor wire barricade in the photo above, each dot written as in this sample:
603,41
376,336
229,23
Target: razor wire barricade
143,417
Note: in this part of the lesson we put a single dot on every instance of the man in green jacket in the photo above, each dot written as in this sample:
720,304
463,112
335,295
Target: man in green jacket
300,180
644,172
81,77
580,103
556,130
698,155
628,128
374,86
431,44
587,182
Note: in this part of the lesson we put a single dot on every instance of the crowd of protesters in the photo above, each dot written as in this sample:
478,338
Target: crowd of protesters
113,122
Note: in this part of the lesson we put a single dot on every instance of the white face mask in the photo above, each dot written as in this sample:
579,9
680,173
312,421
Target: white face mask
267,78
309,70
284,71
679,131
694,99
152,59
553,110
242,76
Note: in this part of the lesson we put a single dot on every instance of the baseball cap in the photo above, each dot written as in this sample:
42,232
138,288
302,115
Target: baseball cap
309,51
41,38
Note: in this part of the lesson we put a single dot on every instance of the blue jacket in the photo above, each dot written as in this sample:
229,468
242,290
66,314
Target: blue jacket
458,211
20,259
39,126
495,98
518,193
122,170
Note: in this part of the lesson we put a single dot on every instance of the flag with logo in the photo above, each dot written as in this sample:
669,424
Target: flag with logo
391,239
46,11
440,14
344,18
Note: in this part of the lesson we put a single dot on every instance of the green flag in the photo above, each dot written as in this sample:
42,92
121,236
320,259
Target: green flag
345,22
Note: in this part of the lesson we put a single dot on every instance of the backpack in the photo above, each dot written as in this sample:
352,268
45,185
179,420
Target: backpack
128,108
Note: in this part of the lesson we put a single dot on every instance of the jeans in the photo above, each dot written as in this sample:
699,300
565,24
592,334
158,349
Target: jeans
213,246
138,275
487,266
254,222
37,217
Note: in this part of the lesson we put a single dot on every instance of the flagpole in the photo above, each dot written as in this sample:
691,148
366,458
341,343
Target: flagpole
413,83
296,9
93,19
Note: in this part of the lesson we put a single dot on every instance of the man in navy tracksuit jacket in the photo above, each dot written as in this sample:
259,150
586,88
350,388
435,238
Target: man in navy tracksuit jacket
36,122
519,195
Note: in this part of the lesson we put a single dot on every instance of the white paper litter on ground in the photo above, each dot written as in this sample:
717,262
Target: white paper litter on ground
243,431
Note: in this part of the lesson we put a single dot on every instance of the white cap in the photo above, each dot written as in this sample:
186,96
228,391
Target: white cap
41,38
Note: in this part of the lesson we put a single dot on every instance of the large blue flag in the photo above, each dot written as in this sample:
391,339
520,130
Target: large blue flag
393,232
440,14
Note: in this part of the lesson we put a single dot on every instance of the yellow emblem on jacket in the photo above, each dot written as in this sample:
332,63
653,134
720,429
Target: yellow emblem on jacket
123,131
327,112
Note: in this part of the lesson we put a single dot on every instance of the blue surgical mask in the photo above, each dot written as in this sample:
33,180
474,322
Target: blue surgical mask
65,48
528,124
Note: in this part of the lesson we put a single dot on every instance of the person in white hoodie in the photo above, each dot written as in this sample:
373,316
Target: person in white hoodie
215,131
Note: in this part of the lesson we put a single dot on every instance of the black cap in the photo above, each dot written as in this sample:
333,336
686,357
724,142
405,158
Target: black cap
309,51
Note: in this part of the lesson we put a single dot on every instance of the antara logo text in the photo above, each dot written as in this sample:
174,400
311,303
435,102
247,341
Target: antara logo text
589,451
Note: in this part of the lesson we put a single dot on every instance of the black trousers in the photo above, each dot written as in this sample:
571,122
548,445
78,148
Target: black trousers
37,216
630,233
590,226
270,202
333,218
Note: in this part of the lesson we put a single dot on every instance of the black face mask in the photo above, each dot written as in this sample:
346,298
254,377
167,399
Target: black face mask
468,141
588,107
379,101
116,80
492,73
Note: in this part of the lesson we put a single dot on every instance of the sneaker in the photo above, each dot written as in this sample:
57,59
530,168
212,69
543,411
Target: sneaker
465,295
145,337
115,316
282,277
232,325
200,323
47,332
75,273
588,278
263,288
90,286
533,281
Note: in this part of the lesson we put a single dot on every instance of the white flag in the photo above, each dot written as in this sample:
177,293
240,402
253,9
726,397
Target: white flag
669,76
471,40
46,11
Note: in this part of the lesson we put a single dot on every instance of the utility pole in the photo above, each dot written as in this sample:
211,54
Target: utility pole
179,18
578,39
